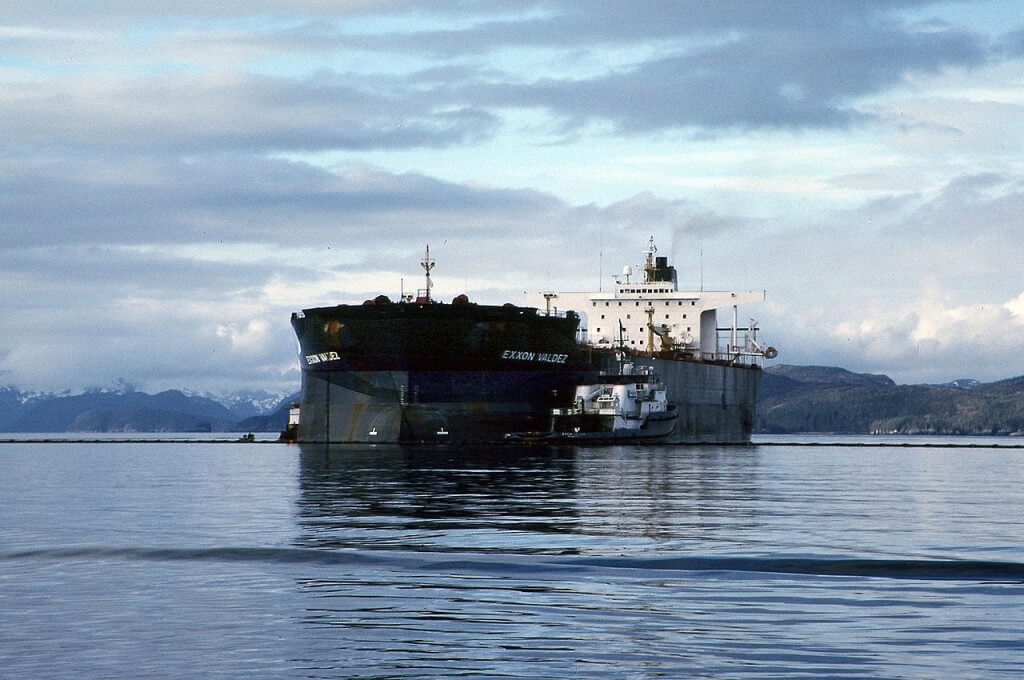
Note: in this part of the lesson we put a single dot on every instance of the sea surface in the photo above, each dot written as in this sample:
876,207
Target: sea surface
788,558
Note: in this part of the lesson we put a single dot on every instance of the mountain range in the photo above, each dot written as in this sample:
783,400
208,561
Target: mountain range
793,399
827,399
129,410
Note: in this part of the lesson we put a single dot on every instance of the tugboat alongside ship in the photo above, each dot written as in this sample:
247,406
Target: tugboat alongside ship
642,362
628,406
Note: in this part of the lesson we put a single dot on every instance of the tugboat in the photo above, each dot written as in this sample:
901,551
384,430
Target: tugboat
631,405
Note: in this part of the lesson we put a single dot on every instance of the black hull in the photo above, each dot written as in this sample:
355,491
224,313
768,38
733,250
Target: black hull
431,407
715,405
404,374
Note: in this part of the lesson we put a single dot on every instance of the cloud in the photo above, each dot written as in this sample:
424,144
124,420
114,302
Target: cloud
918,287
715,65
659,65
250,339
767,80
1012,43
152,199
108,12
233,112
930,341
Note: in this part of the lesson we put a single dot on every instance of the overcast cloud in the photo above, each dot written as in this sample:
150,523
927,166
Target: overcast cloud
177,178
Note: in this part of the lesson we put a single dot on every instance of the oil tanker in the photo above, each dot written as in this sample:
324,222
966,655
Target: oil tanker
643,361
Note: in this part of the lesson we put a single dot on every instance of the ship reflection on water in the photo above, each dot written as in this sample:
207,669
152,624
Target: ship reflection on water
558,500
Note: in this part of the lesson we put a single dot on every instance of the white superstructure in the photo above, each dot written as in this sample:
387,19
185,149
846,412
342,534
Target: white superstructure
648,313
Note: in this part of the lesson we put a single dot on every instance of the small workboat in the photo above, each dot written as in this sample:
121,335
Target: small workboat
631,405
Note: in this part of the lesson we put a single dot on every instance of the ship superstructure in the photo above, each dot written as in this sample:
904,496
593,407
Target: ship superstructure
647,313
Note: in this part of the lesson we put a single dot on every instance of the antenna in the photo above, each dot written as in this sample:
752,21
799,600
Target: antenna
427,263
702,270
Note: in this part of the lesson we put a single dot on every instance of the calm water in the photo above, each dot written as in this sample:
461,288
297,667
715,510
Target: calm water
227,560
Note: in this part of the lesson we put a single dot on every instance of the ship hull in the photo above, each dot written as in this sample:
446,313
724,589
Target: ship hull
475,374
430,407
716,404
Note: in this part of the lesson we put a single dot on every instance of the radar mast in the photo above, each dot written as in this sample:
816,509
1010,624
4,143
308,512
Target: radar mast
649,266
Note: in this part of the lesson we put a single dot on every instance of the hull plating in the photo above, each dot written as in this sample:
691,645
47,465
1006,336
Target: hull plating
715,403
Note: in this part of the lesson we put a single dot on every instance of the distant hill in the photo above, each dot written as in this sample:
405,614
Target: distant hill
249,402
828,375
11,403
275,421
823,399
133,411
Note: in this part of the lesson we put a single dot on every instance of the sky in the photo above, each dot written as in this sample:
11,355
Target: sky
177,178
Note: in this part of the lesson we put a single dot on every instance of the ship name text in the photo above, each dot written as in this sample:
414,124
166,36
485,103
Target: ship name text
543,357
322,356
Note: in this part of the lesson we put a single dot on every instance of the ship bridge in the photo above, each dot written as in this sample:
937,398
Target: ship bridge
648,313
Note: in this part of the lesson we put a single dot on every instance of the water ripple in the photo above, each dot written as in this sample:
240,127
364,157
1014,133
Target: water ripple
915,569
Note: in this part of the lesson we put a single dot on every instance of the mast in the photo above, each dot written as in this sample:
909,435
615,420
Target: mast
427,263
649,266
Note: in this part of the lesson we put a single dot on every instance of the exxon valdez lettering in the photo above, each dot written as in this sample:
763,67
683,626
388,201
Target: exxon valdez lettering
542,357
